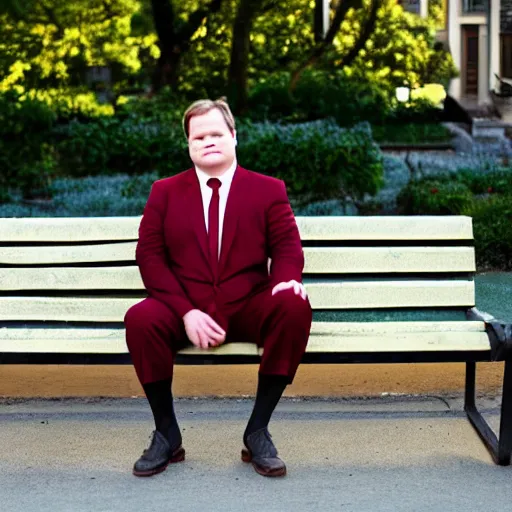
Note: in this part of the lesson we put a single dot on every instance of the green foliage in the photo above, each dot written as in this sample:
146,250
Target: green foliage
131,145
165,107
25,156
411,133
492,228
47,48
318,95
436,11
322,94
497,182
434,197
317,160
486,197
400,51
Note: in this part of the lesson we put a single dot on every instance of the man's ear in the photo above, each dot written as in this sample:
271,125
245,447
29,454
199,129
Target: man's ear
234,138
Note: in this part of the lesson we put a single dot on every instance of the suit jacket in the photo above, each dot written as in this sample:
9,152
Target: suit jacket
172,250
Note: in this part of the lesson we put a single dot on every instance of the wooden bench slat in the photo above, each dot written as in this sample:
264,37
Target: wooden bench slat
388,259
356,295
311,228
383,337
318,259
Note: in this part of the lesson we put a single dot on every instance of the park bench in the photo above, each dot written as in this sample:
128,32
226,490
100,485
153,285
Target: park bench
383,290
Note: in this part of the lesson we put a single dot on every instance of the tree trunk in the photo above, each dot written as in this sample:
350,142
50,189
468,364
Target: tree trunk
172,43
166,68
239,63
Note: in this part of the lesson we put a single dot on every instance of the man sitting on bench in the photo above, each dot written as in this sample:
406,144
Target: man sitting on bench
204,243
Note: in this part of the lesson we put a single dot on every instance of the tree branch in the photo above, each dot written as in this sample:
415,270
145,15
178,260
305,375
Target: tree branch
194,20
364,35
341,12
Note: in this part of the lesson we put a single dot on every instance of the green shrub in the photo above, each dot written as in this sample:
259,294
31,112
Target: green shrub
318,95
131,145
434,197
318,160
411,133
499,181
166,106
492,228
321,94
26,160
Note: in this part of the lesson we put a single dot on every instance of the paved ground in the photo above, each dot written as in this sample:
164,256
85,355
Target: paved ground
349,455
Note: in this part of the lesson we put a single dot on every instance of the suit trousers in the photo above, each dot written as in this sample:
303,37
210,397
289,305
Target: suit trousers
280,324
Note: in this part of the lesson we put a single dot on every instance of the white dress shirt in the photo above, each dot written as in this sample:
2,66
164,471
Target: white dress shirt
207,192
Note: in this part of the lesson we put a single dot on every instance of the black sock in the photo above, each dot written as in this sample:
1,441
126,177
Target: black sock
270,390
160,399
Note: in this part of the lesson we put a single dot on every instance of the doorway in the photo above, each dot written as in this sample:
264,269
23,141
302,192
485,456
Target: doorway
470,59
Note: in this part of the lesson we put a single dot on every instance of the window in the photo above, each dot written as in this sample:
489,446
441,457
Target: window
469,6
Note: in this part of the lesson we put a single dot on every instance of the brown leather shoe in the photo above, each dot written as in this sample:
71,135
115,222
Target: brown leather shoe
260,450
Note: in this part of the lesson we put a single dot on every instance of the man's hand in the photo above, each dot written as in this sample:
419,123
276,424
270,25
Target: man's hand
297,287
202,330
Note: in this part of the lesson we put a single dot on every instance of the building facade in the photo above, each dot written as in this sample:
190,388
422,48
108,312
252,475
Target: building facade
478,34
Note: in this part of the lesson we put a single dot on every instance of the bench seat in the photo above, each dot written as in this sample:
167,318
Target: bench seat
326,337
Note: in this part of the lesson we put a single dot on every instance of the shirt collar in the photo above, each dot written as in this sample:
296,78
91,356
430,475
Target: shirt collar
225,178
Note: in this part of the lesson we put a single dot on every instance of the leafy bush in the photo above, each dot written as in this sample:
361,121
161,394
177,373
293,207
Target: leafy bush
349,100
131,146
71,102
88,197
318,95
499,181
166,107
26,161
486,197
317,160
411,133
434,197
492,228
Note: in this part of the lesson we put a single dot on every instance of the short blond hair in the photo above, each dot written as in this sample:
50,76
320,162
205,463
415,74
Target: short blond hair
200,107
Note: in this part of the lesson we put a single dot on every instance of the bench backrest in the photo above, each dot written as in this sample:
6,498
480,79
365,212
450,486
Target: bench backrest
357,268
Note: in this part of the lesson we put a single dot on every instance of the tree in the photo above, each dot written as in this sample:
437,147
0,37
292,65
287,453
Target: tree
174,37
325,44
240,48
48,45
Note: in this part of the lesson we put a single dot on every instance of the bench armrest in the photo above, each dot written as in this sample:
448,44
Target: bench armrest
499,333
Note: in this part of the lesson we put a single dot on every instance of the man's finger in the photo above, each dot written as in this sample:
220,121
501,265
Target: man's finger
279,287
213,335
194,338
210,322
203,339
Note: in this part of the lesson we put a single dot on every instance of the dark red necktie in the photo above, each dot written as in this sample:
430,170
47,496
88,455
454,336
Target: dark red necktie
213,224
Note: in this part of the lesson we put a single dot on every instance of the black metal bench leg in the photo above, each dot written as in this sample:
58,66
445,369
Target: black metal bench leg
500,449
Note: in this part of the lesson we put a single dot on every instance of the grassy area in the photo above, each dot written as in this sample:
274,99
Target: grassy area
411,133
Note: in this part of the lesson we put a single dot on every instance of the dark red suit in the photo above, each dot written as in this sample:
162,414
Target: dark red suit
172,254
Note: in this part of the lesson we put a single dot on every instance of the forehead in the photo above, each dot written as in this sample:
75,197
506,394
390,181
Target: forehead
212,120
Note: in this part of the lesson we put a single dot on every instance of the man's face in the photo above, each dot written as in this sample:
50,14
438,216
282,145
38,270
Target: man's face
210,142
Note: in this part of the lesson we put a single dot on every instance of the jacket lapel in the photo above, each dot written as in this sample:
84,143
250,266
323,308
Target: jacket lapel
234,206
193,202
